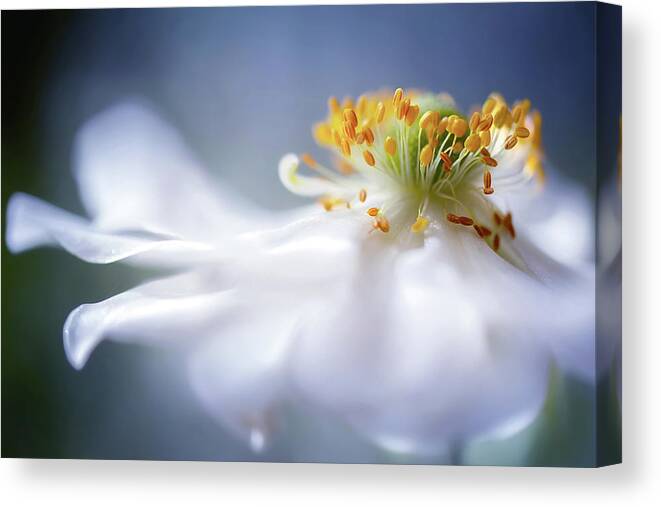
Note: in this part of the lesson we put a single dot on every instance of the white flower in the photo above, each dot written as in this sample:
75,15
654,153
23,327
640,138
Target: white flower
413,310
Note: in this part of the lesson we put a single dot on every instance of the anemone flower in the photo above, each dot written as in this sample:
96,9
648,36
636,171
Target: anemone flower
423,303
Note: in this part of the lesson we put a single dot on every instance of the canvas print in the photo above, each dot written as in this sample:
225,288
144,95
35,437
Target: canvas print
342,234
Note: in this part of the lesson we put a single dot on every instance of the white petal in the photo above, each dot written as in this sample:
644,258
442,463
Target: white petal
556,300
407,358
135,172
304,185
240,376
184,308
32,222
552,303
558,218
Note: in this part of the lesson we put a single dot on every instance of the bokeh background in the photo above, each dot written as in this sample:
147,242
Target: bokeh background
244,86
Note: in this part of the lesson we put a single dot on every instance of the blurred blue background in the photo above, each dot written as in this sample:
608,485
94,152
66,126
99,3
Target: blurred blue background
244,85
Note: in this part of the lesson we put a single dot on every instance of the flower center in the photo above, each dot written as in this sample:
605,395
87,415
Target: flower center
417,147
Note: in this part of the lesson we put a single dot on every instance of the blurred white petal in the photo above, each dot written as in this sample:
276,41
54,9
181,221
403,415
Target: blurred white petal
434,345
135,172
32,222
559,219
240,376
184,308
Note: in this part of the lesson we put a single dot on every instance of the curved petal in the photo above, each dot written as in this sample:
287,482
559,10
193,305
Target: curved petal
32,222
135,172
183,308
305,185
238,342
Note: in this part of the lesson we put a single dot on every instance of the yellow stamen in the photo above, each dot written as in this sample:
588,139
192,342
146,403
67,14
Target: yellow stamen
346,149
350,117
517,112
322,133
334,106
369,158
390,146
459,220
487,179
487,189
509,226
537,130
443,125
326,203
369,135
308,160
397,97
450,124
420,224
330,202
522,132
380,112
361,105
482,231
488,105
344,167
459,127
426,155
525,107
485,124
447,162
356,129
403,109
427,120
382,223
491,162
499,116
474,121
350,130
472,143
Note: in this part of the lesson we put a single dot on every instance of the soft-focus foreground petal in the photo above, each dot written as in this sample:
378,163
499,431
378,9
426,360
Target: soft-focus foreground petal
32,222
284,269
563,312
135,172
549,302
182,308
557,217
240,376
237,318
236,345
407,354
